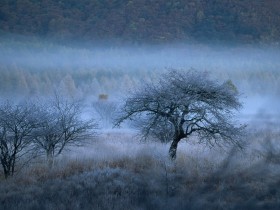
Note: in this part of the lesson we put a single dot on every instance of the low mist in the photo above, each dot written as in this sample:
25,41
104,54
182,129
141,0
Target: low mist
90,71
114,166
204,57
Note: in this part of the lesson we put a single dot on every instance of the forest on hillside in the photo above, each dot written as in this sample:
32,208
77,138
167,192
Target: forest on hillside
138,21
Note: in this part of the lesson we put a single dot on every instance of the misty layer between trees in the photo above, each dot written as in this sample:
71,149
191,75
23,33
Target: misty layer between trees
38,129
181,103
39,67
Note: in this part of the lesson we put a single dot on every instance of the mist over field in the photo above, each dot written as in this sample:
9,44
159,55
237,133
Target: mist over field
204,57
67,69
113,70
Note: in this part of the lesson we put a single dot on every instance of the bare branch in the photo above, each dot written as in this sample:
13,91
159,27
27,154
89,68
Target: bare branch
183,103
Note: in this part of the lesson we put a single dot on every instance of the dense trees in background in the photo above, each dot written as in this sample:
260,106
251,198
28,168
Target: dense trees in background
182,104
143,21
73,83
92,82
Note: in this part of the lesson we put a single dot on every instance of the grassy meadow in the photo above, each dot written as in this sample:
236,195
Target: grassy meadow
118,171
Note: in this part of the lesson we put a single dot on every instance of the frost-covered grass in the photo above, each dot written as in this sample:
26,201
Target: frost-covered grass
117,171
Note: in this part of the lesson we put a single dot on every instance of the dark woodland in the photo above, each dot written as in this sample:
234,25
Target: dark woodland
138,21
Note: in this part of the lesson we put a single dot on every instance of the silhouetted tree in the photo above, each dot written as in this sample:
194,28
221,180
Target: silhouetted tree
61,125
184,103
17,122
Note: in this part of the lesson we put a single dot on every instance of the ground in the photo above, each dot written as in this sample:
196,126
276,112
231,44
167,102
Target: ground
117,171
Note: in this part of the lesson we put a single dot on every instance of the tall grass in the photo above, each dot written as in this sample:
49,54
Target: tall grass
119,172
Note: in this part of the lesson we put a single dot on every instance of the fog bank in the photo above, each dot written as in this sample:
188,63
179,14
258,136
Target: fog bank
204,57
88,71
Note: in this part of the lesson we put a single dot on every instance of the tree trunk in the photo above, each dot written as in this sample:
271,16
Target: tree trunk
6,168
173,149
13,163
50,159
6,171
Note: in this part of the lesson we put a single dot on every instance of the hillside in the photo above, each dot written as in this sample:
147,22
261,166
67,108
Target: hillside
138,21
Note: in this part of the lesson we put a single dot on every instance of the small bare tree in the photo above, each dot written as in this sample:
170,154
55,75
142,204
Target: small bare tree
184,103
106,110
17,123
61,126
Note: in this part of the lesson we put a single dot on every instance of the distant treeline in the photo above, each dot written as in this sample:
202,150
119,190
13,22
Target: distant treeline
137,21
30,67
92,82
18,81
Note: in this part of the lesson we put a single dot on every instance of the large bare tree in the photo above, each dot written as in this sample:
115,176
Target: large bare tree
183,103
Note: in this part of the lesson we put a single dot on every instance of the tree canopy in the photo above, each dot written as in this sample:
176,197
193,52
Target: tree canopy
183,103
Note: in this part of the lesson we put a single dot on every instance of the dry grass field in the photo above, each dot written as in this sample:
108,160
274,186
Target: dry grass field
118,171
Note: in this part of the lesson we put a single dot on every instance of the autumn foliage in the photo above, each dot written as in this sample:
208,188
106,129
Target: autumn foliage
139,21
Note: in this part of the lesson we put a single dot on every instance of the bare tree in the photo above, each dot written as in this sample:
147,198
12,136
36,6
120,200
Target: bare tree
106,110
17,123
184,103
61,126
